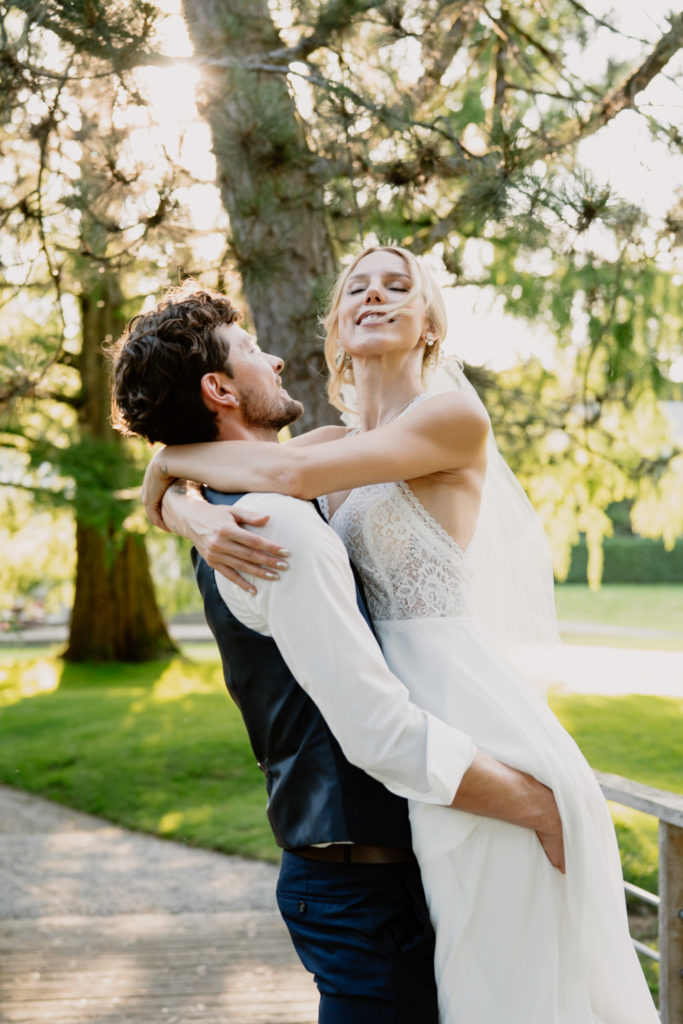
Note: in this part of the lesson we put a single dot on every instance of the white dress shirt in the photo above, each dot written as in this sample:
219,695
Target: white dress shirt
312,614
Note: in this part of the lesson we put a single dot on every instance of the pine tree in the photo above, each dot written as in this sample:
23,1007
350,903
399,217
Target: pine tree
68,210
453,127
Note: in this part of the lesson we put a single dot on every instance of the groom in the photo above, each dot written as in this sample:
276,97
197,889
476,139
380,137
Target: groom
327,720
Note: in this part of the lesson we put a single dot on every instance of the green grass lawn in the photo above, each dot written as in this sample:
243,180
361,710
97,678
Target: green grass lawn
627,606
160,747
156,747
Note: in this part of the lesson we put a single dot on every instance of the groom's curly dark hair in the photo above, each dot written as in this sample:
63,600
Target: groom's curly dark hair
158,362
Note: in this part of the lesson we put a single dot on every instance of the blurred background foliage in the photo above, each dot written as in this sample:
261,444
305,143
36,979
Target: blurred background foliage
457,128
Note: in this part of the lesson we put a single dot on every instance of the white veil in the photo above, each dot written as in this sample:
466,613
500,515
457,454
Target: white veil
512,574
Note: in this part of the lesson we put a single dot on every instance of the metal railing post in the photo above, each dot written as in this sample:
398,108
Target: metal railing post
668,807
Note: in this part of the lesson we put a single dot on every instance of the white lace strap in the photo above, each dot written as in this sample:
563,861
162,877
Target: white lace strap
411,405
324,506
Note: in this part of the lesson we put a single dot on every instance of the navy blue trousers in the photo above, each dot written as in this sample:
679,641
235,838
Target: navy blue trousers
363,931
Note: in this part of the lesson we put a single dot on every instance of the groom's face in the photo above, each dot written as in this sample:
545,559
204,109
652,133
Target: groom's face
263,401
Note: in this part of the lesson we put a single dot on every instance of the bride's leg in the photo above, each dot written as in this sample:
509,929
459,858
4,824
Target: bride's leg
504,947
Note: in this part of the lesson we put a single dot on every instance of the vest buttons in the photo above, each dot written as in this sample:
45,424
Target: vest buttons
302,907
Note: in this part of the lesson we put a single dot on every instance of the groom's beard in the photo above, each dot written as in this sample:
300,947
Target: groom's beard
272,412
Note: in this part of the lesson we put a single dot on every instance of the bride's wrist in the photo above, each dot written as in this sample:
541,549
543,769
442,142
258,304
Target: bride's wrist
181,509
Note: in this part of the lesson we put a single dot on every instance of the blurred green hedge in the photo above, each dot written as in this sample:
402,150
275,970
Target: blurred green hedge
631,560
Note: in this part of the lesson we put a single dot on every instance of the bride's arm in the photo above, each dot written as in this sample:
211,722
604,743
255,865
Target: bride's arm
446,432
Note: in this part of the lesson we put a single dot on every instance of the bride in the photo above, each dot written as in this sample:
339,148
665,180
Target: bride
518,941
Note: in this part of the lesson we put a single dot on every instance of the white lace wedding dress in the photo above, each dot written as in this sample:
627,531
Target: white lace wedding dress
517,941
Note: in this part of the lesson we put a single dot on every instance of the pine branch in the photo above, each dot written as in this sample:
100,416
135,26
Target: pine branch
442,55
337,16
460,162
452,165
40,72
132,54
603,23
333,19
500,64
620,98
551,94
502,27
20,387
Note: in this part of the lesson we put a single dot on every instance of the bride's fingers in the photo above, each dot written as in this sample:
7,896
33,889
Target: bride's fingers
228,544
233,563
251,546
235,577
249,559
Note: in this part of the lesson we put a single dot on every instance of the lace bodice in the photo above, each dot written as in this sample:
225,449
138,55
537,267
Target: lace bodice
410,566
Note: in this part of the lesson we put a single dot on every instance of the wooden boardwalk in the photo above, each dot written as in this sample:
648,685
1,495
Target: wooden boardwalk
66,956
224,968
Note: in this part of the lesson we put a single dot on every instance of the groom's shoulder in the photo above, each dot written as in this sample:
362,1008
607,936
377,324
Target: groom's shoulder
295,515
270,503
296,524
265,501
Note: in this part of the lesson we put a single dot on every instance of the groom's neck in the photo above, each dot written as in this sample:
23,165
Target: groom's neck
235,430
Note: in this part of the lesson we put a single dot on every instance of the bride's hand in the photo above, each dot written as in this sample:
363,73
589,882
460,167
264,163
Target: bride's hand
155,483
218,533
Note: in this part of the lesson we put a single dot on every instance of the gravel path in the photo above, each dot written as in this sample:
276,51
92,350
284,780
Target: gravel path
100,924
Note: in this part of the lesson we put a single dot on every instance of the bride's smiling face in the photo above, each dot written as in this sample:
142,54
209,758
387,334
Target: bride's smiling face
377,284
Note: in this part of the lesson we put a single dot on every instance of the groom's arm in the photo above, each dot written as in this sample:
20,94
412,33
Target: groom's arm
312,614
495,790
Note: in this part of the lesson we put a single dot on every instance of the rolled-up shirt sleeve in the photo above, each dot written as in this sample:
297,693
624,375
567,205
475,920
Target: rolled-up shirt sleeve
312,614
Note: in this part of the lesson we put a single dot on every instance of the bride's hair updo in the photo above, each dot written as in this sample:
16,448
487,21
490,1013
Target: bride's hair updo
423,287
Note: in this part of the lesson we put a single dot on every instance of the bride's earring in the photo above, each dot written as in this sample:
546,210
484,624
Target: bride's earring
429,340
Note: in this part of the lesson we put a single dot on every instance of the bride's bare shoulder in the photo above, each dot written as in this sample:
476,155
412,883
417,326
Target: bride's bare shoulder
453,409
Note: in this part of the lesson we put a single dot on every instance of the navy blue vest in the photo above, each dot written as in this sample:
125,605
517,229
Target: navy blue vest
314,794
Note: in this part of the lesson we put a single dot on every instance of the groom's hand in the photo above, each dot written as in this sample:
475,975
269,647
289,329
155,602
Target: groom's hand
495,790
550,834
553,844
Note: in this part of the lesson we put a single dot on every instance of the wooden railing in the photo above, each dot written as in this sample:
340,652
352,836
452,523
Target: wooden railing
668,808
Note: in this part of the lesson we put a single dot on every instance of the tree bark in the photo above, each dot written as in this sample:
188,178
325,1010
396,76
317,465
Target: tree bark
115,616
272,189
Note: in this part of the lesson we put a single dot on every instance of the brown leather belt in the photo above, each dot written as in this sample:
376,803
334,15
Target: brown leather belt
356,853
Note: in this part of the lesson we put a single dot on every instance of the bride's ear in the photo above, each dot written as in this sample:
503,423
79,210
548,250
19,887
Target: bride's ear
218,391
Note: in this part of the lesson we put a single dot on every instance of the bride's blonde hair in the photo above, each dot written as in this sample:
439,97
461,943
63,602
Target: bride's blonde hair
422,286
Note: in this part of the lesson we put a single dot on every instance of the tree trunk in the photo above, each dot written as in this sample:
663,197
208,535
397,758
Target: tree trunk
115,616
272,189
